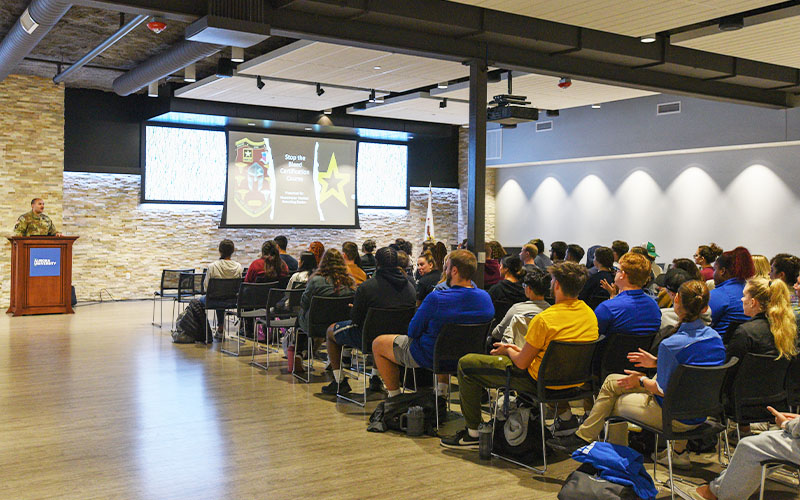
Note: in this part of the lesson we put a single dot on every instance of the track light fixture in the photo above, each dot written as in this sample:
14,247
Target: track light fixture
152,89
259,82
189,73
648,38
320,90
379,99
237,54
441,85
328,111
443,103
372,95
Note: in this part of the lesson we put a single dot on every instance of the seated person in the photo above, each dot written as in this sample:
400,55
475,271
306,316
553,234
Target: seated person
331,279
772,330
593,293
367,255
664,299
731,270
671,281
619,248
291,262
509,289
388,288
536,284
574,253
428,275
637,396
224,268
351,260
743,475
317,248
527,255
569,320
404,262
541,260
705,257
491,268
786,267
631,311
558,251
461,303
268,267
308,264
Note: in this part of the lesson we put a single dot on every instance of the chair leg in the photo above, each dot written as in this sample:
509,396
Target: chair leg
763,480
543,470
655,462
669,461
738,434
435,403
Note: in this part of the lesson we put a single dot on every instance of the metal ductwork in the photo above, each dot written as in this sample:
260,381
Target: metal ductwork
28,31
162,65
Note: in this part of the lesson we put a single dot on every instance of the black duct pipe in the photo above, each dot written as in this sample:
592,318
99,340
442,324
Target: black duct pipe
162,65
39,17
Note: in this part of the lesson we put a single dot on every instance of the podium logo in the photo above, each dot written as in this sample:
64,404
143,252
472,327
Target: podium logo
45,262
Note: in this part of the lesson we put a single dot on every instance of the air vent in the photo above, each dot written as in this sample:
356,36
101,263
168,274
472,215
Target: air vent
668,108
544,126
494,144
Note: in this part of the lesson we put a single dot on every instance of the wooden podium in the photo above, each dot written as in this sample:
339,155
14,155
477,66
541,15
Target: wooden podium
41,274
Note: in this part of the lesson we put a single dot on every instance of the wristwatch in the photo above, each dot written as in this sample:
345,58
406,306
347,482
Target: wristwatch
641,381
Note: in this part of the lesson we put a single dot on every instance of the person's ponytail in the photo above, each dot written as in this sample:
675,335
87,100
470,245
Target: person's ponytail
782,322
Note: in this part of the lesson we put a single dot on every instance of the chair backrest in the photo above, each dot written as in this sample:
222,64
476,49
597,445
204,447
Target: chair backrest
566,363
170,278
325,311
456,340
253,296
793,382
501,307
381,321
614,355
694,392
186,284
223,288
760,381
369,271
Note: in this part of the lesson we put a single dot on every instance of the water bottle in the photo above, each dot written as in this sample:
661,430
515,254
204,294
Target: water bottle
485,441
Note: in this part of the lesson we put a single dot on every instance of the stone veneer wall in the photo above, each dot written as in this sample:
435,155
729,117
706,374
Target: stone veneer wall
124,245
31,156
463,182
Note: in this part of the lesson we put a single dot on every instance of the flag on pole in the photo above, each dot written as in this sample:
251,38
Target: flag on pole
429,234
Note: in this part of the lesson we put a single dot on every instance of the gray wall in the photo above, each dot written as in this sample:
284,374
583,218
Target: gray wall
632,126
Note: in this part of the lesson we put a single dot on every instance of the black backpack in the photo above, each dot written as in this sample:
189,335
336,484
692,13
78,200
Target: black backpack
190,324
387,415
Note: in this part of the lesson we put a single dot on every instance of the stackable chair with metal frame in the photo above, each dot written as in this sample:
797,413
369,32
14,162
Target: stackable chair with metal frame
613,357
760,381
379,321
277,319
322,313
456,340
221,294
170,279
250,304
693,392
564,363
793,385
190,286
769,466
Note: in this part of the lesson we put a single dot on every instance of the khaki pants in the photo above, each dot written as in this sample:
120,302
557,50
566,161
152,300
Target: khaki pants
615,401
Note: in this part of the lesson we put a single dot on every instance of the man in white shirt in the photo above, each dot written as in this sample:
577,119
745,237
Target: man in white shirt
224,268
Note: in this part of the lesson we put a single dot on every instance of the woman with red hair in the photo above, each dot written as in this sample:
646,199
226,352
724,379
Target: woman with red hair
317,249
731,270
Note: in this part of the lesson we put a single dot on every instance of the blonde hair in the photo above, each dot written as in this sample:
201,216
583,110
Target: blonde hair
762,266
773,296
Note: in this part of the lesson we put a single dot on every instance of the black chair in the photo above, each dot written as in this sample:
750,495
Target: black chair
501,307
613,356
770,465
251,303
190,285
456,340
322,313
757,382
369,271
277,318
221,294
693,392
732,326
170,278
564,363
793,384
379,321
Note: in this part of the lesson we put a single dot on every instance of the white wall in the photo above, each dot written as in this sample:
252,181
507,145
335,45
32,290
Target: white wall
747,197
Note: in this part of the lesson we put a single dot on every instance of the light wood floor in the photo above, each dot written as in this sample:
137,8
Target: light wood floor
100,404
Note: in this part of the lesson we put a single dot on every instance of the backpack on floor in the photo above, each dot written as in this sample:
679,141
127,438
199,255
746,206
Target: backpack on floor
191,324
387,415
518,432
583,484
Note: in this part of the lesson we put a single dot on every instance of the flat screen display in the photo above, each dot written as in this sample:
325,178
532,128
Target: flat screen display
282,180
382,175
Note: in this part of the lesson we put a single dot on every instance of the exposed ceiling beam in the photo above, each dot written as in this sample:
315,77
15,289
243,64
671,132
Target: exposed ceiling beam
760,16
178,10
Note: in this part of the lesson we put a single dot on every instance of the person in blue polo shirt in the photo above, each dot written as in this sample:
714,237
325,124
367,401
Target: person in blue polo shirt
631,311
638,396
731,270
462,302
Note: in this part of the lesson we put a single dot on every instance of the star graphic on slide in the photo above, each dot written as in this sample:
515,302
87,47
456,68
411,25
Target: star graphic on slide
332,182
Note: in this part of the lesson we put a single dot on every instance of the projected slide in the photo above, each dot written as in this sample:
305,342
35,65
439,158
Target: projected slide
280,180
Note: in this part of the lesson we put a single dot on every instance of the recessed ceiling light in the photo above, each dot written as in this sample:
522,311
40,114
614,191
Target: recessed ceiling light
648,38
237,54
308,128
595,106
441,85
328,111
376,67
251,124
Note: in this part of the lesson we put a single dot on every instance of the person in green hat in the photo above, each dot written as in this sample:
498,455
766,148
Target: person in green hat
651,254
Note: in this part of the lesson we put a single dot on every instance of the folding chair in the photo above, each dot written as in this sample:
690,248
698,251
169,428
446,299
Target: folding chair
275,320
322,313
250,304
221,294
169,290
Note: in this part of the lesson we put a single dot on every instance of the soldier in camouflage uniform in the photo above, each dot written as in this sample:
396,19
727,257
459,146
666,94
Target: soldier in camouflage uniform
35,222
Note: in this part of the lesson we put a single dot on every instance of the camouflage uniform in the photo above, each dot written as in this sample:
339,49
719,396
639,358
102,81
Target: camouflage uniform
30,224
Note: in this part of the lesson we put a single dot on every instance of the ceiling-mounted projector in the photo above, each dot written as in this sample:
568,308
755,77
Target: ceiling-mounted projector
509,110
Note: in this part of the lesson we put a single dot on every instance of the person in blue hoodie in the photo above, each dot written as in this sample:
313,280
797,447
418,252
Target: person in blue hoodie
637,396
462,302
731,270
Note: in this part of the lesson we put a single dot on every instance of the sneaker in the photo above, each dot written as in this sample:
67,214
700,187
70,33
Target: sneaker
375,384
679,460
567,444
461,441
336,388
561,428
